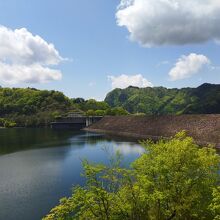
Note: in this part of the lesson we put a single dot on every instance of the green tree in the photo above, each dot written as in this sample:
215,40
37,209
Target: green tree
204,99
9,124
90,112
100,112
92,104
2,121
173,180
116,111
26,106
215,205
56,115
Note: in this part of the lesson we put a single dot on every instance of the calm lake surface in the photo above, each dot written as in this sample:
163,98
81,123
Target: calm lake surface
39,166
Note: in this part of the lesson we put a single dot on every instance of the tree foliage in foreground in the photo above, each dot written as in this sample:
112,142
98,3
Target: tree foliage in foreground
174,179
215,205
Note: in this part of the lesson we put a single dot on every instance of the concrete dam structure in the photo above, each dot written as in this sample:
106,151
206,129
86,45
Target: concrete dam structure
204,129
75,122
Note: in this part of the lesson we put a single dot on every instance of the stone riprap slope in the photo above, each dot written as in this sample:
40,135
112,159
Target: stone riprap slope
203,128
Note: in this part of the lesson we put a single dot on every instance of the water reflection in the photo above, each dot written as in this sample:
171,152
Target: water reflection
129,148
39,166
12,140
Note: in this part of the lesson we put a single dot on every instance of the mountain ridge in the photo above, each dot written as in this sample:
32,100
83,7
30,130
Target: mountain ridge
204,99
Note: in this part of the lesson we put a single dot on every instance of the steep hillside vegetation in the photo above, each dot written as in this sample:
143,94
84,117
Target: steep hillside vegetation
159,100
32,107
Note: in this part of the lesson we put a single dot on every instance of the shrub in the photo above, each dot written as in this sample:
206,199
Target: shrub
9,124
172,180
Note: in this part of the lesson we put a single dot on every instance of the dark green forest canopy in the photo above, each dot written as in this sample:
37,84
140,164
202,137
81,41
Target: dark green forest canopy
32,107
29,101
159,100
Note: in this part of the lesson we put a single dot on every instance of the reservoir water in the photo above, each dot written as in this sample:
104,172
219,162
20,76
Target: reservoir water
39,166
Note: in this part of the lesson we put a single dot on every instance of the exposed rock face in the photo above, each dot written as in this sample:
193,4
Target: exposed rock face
203,128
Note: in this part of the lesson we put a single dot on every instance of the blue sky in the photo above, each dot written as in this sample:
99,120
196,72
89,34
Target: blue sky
96,47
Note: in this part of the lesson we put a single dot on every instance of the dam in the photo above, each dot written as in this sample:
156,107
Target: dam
74,121
205,129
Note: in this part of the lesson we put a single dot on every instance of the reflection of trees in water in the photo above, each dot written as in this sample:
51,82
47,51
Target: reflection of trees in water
12,140
94,138
125,146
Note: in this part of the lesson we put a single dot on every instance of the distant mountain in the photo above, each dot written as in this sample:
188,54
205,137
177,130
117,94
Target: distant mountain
159,100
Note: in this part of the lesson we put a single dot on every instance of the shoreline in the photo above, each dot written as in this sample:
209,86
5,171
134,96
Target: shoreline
205,129
139,137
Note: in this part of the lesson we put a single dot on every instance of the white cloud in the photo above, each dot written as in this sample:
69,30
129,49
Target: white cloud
26,58
35,73
170,22
187,66
123,81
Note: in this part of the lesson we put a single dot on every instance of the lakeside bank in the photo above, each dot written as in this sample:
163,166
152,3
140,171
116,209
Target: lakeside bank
205,129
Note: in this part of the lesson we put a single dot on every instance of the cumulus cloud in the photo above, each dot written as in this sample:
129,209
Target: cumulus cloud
35,73
123,81
25,57
187,66
170,22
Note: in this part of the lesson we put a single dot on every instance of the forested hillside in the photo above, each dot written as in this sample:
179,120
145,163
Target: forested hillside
159,100
32,107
